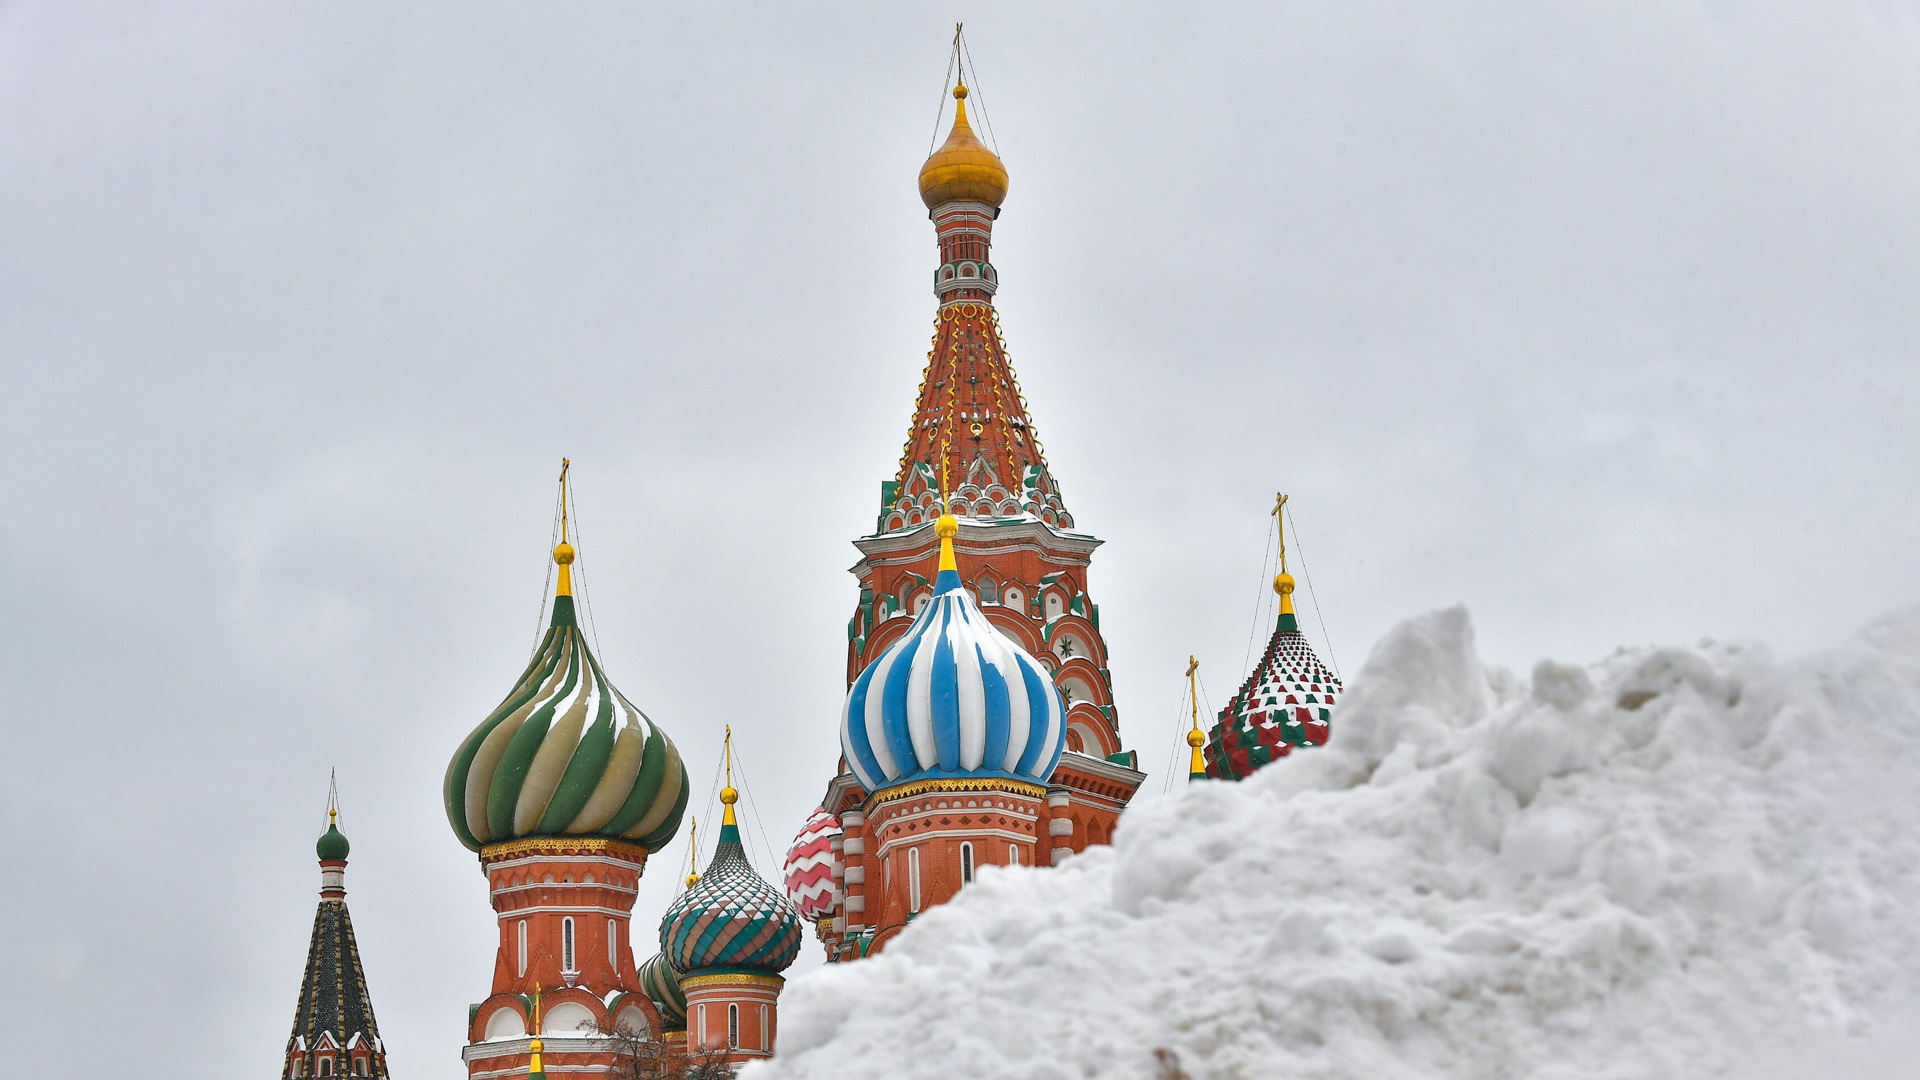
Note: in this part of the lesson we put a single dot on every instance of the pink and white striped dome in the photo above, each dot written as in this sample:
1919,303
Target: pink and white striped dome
808,869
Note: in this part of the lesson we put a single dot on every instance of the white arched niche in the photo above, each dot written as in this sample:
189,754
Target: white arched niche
568,1018
506,1023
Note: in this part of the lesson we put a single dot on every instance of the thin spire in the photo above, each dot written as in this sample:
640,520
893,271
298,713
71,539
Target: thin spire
693,851
534,1068
563,554
728,796
1197,764
1283,581
333,796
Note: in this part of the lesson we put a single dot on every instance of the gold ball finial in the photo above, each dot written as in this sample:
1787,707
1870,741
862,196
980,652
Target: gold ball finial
1195,738
1283,584
729,796
947,527
537,1046
692,880
563,554
960,91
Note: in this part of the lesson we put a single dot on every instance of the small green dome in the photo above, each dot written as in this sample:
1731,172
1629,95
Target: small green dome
333,846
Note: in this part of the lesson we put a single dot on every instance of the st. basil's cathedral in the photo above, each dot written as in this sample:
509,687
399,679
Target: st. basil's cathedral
979,730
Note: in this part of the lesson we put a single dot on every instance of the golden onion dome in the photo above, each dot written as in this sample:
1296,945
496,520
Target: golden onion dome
963,169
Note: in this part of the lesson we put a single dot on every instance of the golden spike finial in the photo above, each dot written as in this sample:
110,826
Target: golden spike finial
333,796
564,553
533,1067
728,796
1283,581
693,851
1196,762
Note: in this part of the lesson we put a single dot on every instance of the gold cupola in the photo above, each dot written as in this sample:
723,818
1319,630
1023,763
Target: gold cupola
963,169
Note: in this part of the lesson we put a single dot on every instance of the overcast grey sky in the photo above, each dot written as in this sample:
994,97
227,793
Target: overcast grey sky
1599,318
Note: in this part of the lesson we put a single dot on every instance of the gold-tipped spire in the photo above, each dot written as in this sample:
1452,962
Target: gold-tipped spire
728,796
1283,581
1197,763
693,851
563,554
534,1068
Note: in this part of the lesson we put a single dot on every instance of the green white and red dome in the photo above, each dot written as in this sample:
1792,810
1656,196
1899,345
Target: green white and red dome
565,754
1286,702
730,920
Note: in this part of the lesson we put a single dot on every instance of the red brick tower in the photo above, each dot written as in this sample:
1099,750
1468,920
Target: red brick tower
972,451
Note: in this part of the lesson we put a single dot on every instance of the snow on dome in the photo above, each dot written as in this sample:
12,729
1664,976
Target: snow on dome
1667,864
954,697
808,869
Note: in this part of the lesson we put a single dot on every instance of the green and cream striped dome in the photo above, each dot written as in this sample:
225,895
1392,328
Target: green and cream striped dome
565,755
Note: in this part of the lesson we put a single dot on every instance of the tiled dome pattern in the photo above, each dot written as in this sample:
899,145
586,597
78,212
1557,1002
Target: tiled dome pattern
1286,702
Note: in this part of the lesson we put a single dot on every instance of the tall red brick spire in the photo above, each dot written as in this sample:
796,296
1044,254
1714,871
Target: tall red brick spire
971,436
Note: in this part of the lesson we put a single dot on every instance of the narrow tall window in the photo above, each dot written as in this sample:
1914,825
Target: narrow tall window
913,879
566,944
523,946
766,1037
703,1028
733,1027
613,957
1013,854
326,1066
966,864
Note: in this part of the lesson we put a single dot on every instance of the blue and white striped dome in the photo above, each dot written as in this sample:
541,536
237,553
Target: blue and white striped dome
953,698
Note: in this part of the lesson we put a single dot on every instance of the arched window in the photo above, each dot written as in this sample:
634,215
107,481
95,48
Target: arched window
359,1066
613,958
1055,605
989,591
523,946
966,863
1012,598
920,601
326,1067
766,1035
733,1027
702,1016
913,879
566,944
1013,854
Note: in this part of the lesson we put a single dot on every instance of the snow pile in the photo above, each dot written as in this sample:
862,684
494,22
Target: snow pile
1673,863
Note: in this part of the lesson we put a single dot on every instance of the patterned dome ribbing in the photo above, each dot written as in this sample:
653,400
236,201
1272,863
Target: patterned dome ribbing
955,697
808,869
565,754
1286,702
731,920
662,984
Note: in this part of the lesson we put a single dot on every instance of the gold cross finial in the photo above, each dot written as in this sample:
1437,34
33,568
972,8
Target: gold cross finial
1280,524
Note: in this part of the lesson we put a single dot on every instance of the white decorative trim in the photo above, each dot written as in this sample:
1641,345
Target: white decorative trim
567,909
1060,827
1061,854
856,845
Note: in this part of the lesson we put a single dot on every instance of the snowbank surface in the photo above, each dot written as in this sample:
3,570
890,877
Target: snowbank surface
1671,863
